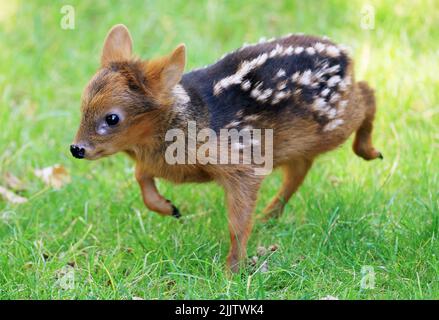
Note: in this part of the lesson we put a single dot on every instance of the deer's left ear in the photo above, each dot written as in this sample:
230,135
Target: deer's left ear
174,67
117,46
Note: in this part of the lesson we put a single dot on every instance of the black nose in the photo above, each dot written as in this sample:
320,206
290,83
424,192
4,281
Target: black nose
77,152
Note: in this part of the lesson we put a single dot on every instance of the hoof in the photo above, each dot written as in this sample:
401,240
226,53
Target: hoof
175,212
272,213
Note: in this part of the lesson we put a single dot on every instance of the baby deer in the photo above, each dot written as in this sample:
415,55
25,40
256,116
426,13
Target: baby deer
302,88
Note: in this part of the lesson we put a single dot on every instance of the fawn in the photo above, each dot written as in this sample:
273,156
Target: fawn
301,87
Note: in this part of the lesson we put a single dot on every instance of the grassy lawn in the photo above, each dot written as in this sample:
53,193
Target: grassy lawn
93,238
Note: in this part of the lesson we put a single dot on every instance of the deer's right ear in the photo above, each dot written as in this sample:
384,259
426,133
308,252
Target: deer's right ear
117,46
174,67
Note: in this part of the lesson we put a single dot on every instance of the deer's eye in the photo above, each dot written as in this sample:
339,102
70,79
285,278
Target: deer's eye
112,119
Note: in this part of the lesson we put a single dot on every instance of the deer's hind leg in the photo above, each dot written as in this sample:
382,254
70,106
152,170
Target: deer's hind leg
294,174
362,145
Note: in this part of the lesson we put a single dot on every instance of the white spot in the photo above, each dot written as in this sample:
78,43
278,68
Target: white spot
265,94
334,98
319,47
295,76
273,53
262,39
298,50
280,73
281,95
252,117
333,69
289,51
315,84
260,60
305,79
320,104
256,92
246,85
333,81
276,51
345,83
332,113
325,92
232,124
310,50
333,124
332,51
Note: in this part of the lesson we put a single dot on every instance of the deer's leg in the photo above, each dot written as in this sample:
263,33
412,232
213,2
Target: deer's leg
362,145
294,174
153,200
241,194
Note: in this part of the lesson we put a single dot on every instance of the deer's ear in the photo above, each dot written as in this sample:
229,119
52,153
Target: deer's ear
174,67
117,46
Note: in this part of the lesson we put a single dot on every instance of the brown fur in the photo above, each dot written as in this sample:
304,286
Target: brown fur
142,90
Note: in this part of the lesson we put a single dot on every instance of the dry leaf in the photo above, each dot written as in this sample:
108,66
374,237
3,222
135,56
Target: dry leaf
11,196
55,176
261,251
254,261
13,182
335,181
329,298
264,266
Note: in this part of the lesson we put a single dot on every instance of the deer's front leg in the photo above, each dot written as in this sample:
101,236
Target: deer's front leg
152,198
241,197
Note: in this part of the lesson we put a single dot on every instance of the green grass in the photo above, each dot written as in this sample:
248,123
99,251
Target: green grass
348,214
